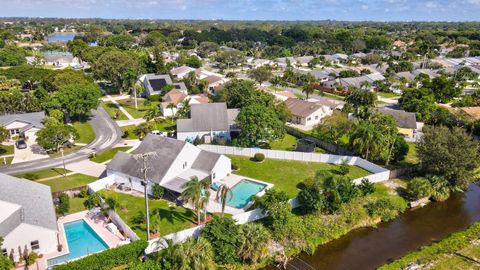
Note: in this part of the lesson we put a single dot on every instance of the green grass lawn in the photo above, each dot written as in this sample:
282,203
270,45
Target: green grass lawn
337,97
69,182
6,150
76,205
111,109
172,218
411,157
128,132
166,125
66,151
288,143
5,161
129,106
86,134
287,174
109,154
47,173
388,95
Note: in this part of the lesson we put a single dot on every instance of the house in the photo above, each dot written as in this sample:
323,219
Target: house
322,75
214,82
208,121
27,218
283,95
306,114
154,84
173,163
23,124
180,72
256,63
406,121
359,82
177,97
60,59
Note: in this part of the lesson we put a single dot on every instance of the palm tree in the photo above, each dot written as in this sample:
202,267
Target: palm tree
184,108
171,106
365,138
255,242
194,254
152,113
196,193
222,195
307,89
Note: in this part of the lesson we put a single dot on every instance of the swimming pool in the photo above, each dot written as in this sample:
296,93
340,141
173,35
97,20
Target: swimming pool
81,239
243,192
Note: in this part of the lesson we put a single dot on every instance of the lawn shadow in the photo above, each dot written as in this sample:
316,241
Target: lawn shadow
171,215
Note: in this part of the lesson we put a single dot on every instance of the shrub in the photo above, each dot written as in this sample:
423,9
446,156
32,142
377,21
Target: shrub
386,208
440,188
259,157
366,187
311,198
344,167
234,167
93,200
31,176
83,193
63,204
224,236
157,191
109,258
111,202
154,98
419,187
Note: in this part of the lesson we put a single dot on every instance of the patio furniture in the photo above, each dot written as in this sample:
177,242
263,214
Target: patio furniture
112,228
215,186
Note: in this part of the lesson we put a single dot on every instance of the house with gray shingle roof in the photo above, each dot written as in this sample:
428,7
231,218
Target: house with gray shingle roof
306,114
173,164
22,123
154,84
212,120
406,121
27,216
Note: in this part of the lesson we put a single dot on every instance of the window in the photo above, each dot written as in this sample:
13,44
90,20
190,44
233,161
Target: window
35,245
4,252
316,117
309,118
213,176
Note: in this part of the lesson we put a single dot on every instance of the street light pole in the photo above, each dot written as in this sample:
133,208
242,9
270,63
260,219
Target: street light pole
63,161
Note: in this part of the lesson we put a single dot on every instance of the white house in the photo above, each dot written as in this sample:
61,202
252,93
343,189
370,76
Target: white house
208,121
176,97
27,217
306,114
172,163
180,72
24,124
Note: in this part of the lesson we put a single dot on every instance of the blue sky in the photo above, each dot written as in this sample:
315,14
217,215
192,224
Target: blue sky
355,10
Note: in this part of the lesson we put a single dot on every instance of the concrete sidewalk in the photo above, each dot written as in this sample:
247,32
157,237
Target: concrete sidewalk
87,167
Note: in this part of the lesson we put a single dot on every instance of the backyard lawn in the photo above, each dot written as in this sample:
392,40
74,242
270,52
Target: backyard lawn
287,174
109,154
6,150
128,132
129,106
165,125
86,134
288,143
172,218
76,205
69,182
112,109
47,173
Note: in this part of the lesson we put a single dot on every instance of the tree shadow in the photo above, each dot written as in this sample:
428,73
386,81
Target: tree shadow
171,215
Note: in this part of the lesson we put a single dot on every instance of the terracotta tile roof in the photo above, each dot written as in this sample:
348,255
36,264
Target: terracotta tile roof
174,96
473,112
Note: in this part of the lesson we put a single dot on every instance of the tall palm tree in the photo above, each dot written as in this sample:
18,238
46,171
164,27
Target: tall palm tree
365,138
307,89
222,196
194,254
196,193
152,113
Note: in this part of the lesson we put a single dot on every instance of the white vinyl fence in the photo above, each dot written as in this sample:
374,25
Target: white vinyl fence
379,173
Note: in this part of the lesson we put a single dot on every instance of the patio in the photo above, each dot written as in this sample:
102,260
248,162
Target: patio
98,223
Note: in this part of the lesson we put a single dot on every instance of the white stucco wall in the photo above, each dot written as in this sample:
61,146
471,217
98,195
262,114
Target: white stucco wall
132,182
25,234
188,154
222,168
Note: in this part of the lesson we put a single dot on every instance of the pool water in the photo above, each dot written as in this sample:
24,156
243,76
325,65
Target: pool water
81,239
243,192
62,37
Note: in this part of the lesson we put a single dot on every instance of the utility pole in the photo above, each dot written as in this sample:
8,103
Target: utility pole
63,161
144,157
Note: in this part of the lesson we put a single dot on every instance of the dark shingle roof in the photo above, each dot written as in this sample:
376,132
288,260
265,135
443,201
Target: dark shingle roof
205,161
166,149
205,117
300,107
155,82
402,118
35,200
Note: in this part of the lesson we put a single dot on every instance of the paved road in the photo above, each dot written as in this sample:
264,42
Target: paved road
315,96
107,134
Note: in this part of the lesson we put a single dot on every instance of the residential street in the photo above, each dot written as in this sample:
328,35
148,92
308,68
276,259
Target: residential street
107,133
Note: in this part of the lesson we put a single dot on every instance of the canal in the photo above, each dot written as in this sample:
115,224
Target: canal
369,248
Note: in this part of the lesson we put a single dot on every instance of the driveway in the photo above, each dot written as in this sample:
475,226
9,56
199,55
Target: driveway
32,152
107,133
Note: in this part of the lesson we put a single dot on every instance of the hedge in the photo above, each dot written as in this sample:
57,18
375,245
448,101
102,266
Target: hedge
427,254
109,258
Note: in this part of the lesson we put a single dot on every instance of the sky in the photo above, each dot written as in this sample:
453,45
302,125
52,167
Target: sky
351,10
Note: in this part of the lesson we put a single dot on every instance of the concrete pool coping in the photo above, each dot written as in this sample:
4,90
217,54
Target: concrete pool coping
232,180
98,226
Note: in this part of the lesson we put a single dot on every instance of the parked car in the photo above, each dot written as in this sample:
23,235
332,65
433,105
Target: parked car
21,144
159,133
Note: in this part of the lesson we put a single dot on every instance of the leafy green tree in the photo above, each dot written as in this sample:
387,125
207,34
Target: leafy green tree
450,153
260,74
255,242
420,101
143,129
333,128
122,41
154,38
225,237
113,66
54,136
366,187
307,89
259,124
78,100
311,197
4,134
440,188
56,114
445,89
275,204
18,102
360,101
11,55
152,113
59,79
93,200
419,187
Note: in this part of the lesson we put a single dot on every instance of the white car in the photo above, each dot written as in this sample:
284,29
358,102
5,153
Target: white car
159,133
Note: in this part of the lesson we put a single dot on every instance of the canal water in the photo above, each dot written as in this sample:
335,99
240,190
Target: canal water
369,248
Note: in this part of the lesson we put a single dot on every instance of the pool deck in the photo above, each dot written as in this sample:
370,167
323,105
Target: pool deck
231,180
98,224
